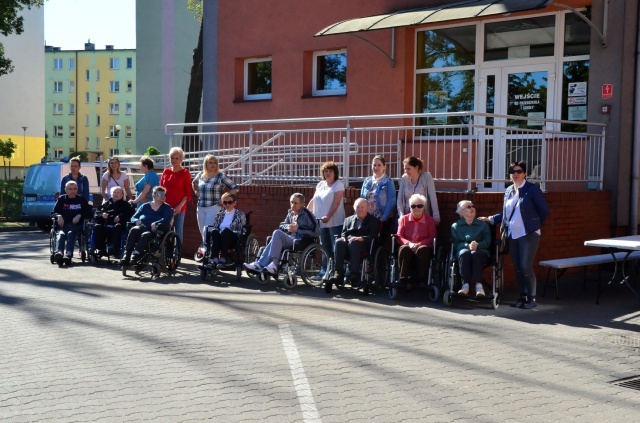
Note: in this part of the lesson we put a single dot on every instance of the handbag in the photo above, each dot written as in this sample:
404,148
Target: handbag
503,248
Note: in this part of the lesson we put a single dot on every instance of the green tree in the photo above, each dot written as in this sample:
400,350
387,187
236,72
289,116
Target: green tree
194,94
7,148
152,151
12,23
84,156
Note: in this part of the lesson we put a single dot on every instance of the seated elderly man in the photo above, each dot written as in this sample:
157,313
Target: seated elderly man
471,240
416,232
71,210
111,221
298,223
358,231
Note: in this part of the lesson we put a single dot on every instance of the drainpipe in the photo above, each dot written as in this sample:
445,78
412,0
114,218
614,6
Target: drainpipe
635,163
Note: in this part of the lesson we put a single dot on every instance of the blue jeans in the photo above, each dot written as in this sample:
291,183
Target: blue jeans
178,225
279,241
68,235
523,252
327,240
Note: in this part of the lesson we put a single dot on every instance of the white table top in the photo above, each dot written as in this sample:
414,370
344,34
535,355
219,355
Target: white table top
622,243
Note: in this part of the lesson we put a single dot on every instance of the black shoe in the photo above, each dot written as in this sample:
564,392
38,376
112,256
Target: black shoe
207,266
530,304
103,253
57,257
125,261
354,279
337,276
520,302
135,258
66,261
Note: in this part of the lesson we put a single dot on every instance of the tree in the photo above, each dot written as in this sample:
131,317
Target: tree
7,148
11,23
152,151
84,156
194,95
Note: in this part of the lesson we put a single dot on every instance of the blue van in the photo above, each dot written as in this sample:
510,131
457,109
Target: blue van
42,185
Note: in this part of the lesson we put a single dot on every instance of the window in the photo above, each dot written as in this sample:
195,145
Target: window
97,142
86,75
114,63
98,75
520,38
98,120
112,132
129,108
72,131
128,131
577,36
330,73
129,86
114,109
57,131
113,152
257,79
445,73
72,108
86,97
57,64
72,86
86,120
57,86
57,153
129,62
97,98
114,86
57,108
72,63
86,143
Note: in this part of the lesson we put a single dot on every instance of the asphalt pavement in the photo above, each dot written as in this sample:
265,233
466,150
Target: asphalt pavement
86,344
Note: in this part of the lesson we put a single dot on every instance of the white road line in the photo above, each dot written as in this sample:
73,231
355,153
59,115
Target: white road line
305,397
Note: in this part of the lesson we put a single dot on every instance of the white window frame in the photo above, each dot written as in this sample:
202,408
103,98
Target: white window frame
248,96
72,131
87,97
129,108
114,86
72,63
114,63
97,98
129,62
58,131
72,108
113,152
314,79
114,108
57,64
72,86
128,131
57,109
97,74
129,86
97,120
57,153
86,143
87,75
58,86
97,143
86,120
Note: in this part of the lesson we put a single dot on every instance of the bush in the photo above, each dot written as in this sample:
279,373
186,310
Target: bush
11,199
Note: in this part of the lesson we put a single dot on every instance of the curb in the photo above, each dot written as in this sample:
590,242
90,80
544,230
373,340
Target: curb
19,229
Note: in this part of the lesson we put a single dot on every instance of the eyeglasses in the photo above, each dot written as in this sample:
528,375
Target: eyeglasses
413,206
160,194
470,207
228,202
516,171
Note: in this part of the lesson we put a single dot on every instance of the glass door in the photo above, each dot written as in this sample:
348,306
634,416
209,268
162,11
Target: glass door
521,98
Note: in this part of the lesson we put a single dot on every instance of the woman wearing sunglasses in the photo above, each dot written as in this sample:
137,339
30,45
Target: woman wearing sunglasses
152,216
416,232
525,210
223,233
471,241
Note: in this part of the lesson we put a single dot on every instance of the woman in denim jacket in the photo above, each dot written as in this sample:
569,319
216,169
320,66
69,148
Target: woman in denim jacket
526,210
380,193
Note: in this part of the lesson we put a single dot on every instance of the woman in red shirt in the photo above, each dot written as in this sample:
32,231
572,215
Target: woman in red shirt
177,180
416,232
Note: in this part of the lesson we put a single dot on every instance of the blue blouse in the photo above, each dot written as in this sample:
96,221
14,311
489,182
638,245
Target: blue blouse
151,178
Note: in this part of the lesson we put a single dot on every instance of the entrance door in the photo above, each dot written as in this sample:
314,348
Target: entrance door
518,91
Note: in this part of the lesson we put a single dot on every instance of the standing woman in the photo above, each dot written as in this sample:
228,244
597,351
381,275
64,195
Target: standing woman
177,180
415,181
114,177
207,187
146,184
328,206
380,193
526,210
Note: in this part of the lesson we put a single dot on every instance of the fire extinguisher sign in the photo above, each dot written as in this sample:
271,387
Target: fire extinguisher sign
607,90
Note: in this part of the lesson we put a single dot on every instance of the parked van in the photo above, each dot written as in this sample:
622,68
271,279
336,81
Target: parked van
42,185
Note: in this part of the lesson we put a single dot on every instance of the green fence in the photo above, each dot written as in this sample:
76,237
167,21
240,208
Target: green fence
11,199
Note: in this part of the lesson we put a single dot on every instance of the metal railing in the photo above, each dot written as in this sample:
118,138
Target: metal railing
463,151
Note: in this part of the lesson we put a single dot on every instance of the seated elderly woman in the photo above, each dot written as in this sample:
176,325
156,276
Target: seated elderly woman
111,218
416,232
471,240
223,233
149,218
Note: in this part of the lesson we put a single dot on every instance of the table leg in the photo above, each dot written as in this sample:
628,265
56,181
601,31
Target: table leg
625,277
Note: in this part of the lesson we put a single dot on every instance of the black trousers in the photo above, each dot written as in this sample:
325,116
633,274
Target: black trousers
140,238
111,235
221,242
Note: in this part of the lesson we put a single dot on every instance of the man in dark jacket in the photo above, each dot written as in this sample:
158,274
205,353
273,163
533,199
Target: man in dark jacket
111,221
357,233
71,210
77,177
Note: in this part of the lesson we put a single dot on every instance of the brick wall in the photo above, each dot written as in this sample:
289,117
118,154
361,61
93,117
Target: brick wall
574,218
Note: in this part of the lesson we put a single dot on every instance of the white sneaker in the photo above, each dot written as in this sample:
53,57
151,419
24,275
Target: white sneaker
479,290
272,268
255,266
464,290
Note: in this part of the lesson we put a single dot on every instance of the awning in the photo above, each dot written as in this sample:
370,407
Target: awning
434,14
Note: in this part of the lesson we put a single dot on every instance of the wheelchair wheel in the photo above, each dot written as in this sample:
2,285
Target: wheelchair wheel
312,259
434,293
52,242
447,298
393,293
495,301
198,256
238,273
380,267
290,281
251,249
263,278
170,251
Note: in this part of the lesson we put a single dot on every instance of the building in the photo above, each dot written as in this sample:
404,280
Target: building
89,94
535,59
22,94
166,35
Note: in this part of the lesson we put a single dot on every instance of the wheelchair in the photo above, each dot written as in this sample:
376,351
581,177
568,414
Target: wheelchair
433,283
304,259
93,253
454,282
374,269
82,240
245,250
163,253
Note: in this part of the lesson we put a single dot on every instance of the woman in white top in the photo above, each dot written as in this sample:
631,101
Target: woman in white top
415,181
327,205
114,177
